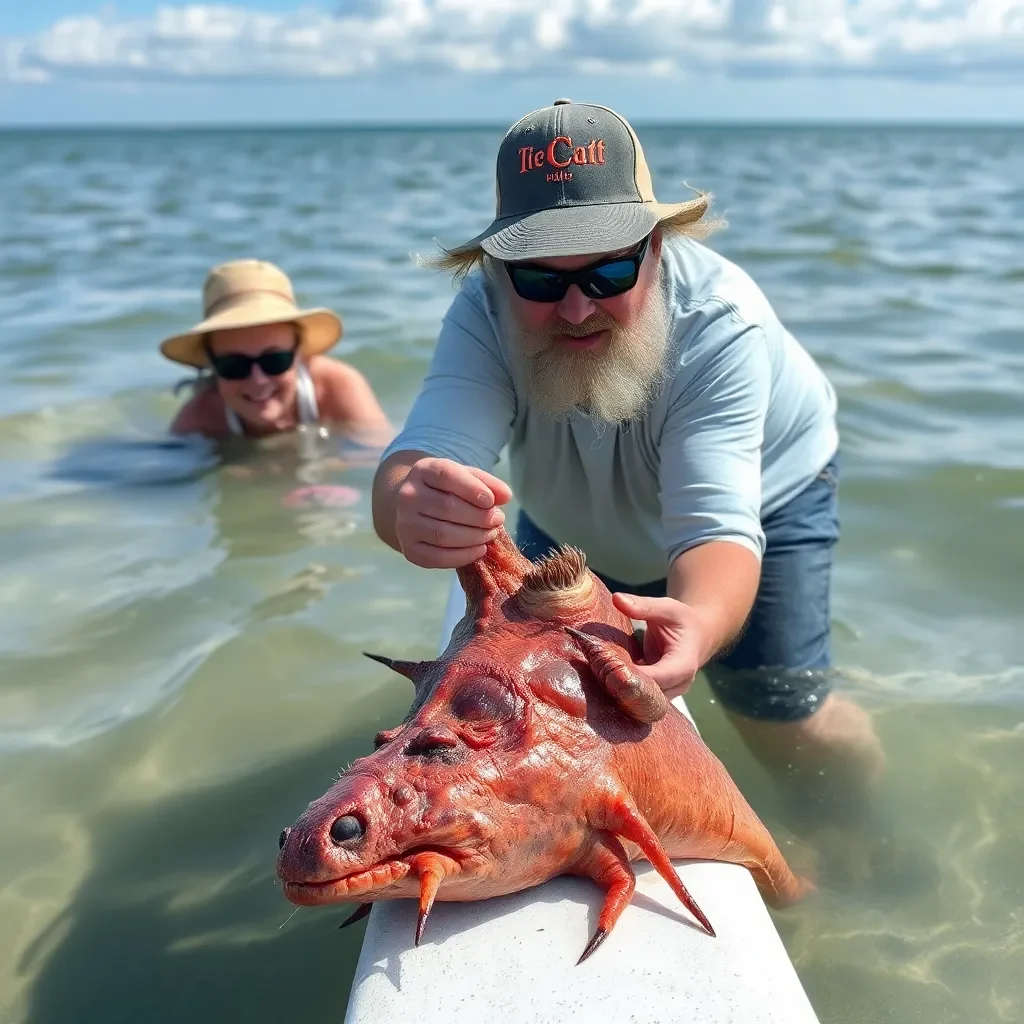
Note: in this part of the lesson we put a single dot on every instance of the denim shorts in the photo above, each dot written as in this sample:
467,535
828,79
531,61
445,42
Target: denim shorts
779,667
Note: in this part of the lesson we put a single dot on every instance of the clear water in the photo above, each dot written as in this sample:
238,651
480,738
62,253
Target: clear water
179,652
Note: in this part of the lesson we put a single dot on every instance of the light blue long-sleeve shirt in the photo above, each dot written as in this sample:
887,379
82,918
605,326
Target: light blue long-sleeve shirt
744,423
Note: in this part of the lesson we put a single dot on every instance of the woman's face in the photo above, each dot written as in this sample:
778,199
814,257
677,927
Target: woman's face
266,402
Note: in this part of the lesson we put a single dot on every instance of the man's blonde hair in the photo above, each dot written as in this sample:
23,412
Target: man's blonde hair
692,221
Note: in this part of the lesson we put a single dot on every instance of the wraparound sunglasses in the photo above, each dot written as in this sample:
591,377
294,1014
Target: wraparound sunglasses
604,279
236,366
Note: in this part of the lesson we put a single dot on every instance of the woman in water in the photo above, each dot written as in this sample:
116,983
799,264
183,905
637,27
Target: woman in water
262,362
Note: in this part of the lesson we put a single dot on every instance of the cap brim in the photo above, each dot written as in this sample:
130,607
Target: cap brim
569,231
321,330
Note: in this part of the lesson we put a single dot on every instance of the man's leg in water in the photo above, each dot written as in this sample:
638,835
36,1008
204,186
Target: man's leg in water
775,681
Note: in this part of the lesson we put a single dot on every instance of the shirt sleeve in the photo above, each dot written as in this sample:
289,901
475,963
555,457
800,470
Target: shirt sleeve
466,406
710,451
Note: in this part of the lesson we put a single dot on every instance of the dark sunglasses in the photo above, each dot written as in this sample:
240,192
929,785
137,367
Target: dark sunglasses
601,280
235,366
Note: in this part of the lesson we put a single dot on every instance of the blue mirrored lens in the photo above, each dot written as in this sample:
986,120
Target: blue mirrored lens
539,285
613,278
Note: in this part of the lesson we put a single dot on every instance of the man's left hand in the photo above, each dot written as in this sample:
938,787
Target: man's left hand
674,642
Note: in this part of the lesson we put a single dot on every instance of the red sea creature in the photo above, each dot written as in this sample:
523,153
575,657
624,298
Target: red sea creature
535,746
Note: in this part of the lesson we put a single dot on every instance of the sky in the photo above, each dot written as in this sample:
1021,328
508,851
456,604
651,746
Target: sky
416,61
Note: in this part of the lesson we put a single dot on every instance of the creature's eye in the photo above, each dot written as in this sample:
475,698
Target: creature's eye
483,700
558,683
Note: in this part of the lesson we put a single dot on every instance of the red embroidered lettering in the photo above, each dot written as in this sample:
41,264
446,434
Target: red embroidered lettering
532,159
551,151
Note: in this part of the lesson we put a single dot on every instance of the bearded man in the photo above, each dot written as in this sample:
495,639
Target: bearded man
658,416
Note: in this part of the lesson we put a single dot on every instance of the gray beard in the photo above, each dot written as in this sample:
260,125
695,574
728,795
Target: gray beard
616,386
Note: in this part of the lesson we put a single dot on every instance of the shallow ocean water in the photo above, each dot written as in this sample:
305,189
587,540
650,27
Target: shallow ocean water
180,666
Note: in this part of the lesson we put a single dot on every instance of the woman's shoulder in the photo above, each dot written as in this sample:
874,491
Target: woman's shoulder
343,393
203,413
331,369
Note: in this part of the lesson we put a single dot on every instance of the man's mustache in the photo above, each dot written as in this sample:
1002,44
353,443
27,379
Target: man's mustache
594,323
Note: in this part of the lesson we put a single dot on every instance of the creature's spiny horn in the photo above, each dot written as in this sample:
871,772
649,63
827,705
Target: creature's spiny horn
409,669
627,684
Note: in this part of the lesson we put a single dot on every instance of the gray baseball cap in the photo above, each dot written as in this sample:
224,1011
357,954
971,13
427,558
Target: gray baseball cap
572,180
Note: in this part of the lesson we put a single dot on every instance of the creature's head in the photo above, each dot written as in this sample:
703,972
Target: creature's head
439,795
430,788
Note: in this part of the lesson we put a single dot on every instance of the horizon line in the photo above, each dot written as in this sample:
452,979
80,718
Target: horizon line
478,124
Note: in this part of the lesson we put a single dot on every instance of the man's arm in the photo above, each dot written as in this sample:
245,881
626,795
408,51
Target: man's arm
718,582
433,498
711,504
711,478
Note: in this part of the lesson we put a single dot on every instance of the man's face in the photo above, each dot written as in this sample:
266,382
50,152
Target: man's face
606,356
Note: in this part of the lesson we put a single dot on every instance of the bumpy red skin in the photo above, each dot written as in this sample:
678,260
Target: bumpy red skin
523,757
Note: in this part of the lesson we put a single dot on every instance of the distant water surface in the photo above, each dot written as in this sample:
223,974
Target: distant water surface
179,652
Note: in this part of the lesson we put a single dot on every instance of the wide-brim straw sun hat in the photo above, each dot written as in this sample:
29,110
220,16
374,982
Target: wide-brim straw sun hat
250,293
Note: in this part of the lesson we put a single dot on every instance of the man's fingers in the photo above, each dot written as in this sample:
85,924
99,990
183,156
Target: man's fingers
673,681
450,508
662,610
669,672
501,490
451,478
429,557
673,673
439,534
677,691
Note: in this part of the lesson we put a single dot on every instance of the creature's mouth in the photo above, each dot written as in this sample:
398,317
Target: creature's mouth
376,876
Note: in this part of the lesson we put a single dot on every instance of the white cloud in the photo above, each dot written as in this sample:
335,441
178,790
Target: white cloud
658,37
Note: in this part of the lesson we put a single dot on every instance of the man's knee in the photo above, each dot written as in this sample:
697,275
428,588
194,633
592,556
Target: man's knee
839,734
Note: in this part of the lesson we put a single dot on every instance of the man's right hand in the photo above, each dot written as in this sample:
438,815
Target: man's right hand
447,513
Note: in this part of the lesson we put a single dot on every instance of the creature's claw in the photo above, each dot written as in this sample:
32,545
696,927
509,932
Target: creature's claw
360,912
595,940
431,869
607,864
631,825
